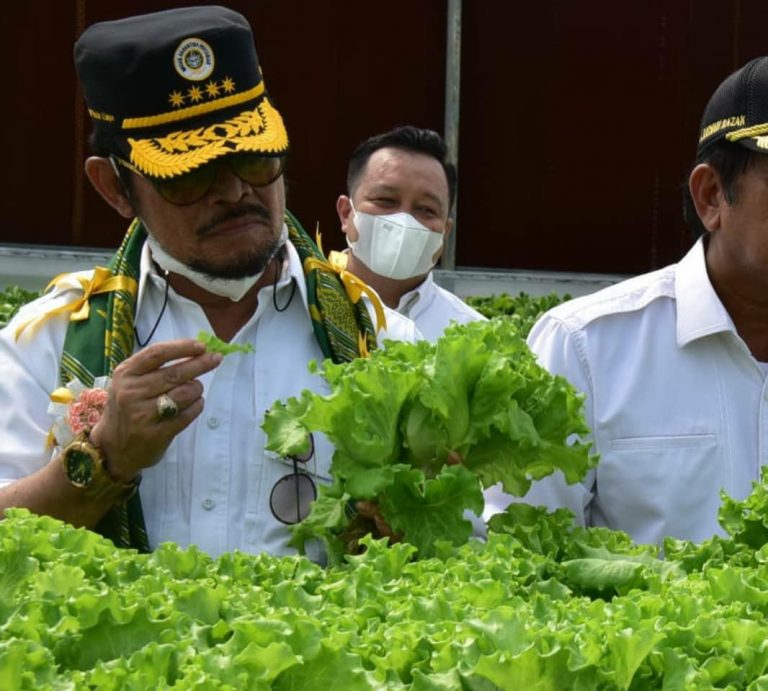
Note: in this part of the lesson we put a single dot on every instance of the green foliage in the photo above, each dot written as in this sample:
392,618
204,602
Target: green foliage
11,299
215,345
523,309
746,521
399,418
540,605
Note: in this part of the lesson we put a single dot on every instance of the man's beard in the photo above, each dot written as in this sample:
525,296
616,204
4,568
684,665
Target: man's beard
252,261
249,263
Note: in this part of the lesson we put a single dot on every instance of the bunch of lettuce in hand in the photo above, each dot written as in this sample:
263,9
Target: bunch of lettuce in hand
402,418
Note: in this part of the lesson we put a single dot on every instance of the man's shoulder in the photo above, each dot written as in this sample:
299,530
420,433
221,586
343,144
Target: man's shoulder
445,298
399,328
58,293
629,297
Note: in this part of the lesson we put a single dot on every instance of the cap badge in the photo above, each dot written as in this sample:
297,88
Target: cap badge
194,59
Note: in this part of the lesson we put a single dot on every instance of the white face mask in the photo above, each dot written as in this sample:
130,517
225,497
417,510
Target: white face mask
394,245
232,288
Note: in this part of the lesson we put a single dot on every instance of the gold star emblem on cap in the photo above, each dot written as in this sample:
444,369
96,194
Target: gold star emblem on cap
195,94
212,89
176,99
228,85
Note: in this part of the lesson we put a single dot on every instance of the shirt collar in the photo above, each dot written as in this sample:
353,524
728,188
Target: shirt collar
408,300
699,310
294,270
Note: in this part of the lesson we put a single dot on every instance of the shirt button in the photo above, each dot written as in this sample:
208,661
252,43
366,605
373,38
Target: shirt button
213,422
208,504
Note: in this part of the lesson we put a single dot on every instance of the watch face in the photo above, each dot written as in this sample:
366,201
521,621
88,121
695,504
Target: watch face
79,465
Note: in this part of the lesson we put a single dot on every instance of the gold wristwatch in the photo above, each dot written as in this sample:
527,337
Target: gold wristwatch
84,466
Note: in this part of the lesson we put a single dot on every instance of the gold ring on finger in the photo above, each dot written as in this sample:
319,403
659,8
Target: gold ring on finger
167,408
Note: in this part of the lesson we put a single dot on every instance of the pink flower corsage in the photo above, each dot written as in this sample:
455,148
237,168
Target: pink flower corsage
77,408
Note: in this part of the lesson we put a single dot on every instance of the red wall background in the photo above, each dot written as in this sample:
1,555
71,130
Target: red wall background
578,119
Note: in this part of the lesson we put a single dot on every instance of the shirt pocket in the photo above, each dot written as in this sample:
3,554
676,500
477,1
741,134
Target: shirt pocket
657,486
681,441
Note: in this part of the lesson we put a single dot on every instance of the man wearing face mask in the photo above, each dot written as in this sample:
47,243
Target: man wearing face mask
396,215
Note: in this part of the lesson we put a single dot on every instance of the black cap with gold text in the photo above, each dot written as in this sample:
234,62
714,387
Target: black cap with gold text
176,89
738,110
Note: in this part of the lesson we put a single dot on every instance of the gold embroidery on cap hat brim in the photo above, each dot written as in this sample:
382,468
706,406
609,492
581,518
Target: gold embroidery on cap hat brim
260,131
194,111
753,131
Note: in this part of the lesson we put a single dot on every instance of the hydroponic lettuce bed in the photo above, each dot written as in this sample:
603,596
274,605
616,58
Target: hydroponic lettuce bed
11,299
540,605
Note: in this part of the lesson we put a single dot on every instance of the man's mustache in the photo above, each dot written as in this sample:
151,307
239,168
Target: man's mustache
258,210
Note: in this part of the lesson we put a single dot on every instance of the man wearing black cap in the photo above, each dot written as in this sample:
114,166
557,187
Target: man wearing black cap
396,215
674,362
106,369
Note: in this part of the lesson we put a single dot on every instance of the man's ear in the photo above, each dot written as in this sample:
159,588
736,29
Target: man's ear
106,182
344,210
448,227
708,195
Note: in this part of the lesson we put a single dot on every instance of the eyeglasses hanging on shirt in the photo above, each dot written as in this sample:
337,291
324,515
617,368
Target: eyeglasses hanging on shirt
292,494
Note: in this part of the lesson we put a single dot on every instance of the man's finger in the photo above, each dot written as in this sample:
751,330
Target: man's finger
152,383
159,354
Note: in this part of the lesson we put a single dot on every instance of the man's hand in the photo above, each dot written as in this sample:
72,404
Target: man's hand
130,433
370,510
454,458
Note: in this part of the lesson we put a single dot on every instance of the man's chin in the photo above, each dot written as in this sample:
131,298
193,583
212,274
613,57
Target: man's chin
229,271
235,268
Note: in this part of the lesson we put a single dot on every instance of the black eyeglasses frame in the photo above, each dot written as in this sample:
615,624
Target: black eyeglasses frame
302,481
203,177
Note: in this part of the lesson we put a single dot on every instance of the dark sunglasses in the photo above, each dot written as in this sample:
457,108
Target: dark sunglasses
254,169
292,494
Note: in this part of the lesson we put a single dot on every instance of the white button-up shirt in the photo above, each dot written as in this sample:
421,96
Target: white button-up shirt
433,309
212,486
676,402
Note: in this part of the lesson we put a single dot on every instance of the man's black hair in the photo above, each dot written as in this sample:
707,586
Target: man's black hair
103,147
407,138
730,160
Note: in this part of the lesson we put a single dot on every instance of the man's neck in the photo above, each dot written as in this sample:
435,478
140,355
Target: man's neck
226,316
744,295
390,290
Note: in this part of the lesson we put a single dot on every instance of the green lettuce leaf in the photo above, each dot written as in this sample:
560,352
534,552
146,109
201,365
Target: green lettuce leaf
215,345
747,521
428,511
477,396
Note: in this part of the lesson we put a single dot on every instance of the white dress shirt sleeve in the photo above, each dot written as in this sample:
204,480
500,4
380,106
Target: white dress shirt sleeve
28,374
399,328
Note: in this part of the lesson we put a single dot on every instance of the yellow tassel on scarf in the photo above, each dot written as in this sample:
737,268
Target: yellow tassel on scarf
355,287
